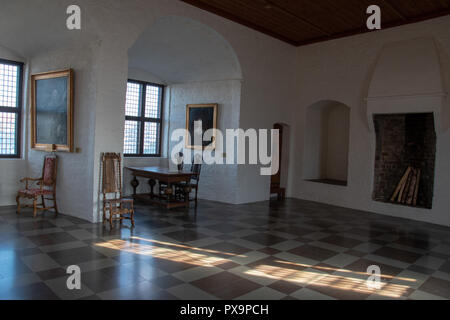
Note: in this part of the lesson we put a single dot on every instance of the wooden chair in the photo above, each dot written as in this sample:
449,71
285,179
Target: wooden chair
117,207
43,187
162,184
196,168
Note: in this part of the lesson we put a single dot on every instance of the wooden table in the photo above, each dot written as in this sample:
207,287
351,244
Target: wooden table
162,175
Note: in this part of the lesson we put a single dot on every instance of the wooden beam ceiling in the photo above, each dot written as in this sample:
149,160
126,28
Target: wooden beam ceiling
301,22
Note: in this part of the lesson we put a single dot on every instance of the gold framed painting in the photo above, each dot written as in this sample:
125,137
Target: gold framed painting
199,119
52,111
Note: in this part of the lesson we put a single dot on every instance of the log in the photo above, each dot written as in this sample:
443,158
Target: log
402,189
400,184
416,191
412,188
405,189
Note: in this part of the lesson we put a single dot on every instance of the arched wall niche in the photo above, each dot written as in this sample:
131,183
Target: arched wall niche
327,143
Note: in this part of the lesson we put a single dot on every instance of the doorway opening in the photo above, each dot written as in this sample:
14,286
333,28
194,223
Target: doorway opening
278,182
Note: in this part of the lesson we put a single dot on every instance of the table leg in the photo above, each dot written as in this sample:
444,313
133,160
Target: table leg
187,191
169,193
152,184
134,184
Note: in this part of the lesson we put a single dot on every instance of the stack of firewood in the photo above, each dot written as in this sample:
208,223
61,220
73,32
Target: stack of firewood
408,187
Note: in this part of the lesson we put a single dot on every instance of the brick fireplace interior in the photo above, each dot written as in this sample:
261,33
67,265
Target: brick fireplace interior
404,140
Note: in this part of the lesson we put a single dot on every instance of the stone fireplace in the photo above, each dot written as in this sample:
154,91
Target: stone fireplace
407,114
404,140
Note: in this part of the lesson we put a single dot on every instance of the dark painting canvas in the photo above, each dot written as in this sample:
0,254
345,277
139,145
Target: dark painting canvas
207,117
51,111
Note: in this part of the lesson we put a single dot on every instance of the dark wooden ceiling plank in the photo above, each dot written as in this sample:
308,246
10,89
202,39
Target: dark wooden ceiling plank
280,21
306,21
384,27
336,16
332,16
312,10
229,16
274,20
283,19
412,9
394,8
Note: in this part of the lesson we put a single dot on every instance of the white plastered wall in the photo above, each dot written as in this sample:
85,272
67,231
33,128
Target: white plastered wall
272,91
101,70
218,182
74,190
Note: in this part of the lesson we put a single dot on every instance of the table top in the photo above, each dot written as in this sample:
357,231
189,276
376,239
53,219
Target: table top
159,170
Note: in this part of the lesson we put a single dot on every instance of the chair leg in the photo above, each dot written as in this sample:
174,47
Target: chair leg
111,219
132,214
18,204
104,213
43,202
196,193
34,207
55,204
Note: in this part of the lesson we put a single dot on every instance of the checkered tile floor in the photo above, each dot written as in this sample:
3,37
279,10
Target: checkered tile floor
289,250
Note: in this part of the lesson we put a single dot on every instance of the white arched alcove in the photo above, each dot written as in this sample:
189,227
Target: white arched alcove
327,142
197,65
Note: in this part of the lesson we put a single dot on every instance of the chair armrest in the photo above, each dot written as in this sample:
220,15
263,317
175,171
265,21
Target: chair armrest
118,200
26,180
30,179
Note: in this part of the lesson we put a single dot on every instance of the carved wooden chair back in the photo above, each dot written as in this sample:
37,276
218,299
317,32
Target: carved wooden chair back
112,175
181,164
113,202
196,168
49,172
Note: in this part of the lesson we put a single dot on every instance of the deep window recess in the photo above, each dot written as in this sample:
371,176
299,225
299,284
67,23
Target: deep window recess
10,108
143,119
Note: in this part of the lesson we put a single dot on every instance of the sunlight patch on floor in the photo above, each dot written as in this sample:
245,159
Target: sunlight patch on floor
311,276
301,274
168,251
188,247
343,270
